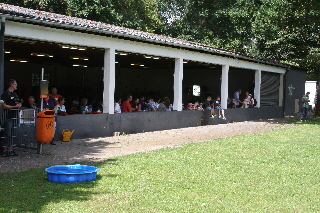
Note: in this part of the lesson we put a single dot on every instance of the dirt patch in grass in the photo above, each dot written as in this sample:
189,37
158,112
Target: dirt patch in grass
99,149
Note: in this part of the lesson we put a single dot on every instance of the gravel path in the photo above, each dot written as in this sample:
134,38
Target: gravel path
98,149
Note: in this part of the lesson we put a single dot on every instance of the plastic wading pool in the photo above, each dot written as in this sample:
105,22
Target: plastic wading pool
71,173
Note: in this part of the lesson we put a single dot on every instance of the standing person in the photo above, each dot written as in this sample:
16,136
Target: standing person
126,106
305,106
54,93
217,105
236,98
10,101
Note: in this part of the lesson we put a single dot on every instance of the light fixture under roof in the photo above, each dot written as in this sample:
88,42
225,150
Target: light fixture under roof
148,56
42,55
80,58
141,65
79,65
156,57
19,60
7,51
73,47
121,53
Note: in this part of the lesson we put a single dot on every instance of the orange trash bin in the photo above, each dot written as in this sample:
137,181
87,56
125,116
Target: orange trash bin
45,126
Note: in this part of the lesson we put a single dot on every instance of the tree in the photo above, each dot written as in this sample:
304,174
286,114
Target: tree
136,14
283,30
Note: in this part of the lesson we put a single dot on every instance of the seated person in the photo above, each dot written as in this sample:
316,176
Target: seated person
96,103
217,105
247,100
190,106
151,105
198,106
84,108
61,109
208,106
49,103
166,102
126,106
253,102
135,104
230,103
117,107
142,104
160,105
31,103
75,104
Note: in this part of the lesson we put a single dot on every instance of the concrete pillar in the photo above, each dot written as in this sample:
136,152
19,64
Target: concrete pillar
257,87
281,90
177,87
224,86
109,81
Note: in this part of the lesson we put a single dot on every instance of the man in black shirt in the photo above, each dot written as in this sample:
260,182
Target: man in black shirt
10,101
208,106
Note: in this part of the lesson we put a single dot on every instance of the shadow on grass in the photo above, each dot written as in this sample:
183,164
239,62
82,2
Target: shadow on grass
311,120
30,191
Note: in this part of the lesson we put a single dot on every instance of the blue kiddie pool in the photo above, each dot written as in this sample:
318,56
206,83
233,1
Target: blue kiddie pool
71,173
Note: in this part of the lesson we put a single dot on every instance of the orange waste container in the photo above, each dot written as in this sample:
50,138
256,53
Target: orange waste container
45,126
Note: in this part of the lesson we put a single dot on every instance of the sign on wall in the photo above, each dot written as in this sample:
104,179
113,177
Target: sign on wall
196,90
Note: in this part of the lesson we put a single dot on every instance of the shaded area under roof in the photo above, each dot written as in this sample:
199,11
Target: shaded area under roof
22,14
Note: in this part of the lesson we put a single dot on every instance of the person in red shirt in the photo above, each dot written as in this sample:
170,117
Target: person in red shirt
54,94
126,106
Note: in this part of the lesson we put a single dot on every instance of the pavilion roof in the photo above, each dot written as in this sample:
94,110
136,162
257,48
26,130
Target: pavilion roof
22,14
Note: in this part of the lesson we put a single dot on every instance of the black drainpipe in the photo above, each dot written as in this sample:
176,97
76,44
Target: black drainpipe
2,28
284,91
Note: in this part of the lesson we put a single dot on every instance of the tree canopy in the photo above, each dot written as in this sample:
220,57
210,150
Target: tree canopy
283,30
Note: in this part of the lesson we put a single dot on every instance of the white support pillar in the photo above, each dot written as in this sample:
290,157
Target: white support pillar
109,81
177,81
257,87
281,90
224,86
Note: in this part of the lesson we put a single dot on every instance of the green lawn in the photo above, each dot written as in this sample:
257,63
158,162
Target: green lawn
275,171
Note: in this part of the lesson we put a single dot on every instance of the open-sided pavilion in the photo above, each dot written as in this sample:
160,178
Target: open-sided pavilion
85,58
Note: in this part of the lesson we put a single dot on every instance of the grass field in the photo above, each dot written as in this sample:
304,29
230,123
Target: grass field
274,171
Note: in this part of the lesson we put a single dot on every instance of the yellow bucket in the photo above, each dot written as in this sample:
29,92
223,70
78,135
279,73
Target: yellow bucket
66,135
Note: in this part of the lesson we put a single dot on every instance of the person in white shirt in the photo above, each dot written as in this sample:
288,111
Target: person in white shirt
117,107
60,106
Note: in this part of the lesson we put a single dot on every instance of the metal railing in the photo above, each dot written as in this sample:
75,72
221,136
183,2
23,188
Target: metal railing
18,128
